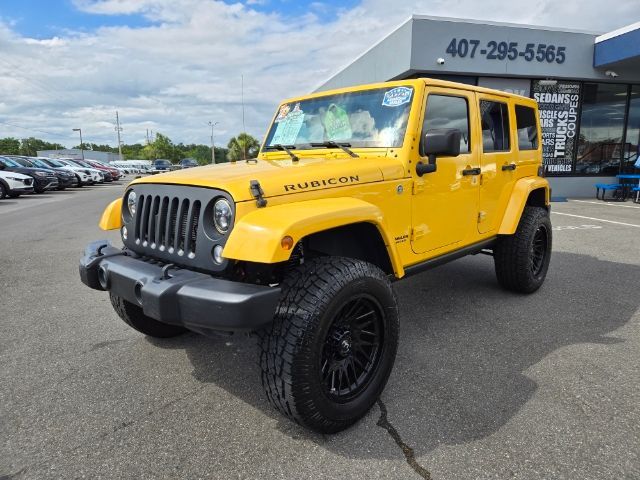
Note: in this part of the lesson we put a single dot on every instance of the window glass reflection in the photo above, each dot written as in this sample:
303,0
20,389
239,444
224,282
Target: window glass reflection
601,127
632,142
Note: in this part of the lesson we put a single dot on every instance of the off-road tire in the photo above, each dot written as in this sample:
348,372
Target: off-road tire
135,318
515,260
292,347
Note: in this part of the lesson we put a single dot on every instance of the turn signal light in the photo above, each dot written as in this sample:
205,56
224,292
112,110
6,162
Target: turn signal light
287,242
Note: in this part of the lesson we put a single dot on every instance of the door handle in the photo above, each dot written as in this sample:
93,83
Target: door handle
511,166
471,171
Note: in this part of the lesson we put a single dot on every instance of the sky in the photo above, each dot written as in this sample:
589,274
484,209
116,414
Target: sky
172,66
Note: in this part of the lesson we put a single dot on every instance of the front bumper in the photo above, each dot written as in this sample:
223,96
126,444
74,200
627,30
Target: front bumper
45,183
178,296
65,182
22,189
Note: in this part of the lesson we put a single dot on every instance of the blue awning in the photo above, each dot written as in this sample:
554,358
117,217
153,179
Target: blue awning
620,48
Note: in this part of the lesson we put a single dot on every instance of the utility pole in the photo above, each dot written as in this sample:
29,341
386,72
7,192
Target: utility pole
213,147
118,129
81,146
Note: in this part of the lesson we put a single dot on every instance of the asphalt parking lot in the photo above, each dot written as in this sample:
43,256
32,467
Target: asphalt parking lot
487,384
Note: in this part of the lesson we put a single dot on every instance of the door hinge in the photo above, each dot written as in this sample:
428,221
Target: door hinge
418,186
418,232
481,216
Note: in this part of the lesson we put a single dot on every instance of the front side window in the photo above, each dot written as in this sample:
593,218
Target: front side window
495,126
445,111
526,127
368,118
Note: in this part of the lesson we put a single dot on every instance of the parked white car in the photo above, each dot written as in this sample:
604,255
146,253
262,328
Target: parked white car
14,184
82,174
94,174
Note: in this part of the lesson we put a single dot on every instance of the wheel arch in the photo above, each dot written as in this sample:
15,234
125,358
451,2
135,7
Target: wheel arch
526,192
335,226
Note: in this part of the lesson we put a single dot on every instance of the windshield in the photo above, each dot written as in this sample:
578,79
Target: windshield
23,162
10,163
39,163
53,163
366,118
162,162
78,163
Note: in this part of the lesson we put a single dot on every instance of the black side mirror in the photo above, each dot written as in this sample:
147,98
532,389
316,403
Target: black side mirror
443,142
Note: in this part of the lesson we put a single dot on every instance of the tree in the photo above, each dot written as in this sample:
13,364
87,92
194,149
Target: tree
30,146
9,146
242,147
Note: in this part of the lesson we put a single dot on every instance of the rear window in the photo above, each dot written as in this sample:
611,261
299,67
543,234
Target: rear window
495,126
527,130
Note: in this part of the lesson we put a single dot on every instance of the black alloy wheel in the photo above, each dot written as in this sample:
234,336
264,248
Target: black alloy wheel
352,348
538,250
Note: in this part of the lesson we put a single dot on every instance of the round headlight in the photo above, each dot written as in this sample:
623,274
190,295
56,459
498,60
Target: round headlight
222,215
131,202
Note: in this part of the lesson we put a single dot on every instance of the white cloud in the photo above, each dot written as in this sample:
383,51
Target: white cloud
185,69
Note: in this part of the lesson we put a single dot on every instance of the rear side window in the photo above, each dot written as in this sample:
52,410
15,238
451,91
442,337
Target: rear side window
448,112
495,126
527,130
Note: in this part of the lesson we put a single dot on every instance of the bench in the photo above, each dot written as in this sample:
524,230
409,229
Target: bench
608,186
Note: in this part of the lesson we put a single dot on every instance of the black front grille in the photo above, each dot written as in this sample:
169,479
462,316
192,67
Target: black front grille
174,224
167,224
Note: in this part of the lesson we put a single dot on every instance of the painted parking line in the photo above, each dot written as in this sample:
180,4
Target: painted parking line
605,203
596,219
577,227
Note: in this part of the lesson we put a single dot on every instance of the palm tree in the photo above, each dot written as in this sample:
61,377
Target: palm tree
242,147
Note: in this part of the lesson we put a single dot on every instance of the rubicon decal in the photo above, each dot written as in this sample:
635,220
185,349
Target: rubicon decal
325,182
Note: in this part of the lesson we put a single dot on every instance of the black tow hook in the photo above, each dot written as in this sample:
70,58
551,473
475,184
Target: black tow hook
101,256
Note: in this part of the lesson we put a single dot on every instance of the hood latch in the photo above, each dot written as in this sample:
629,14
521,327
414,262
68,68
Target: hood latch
257,193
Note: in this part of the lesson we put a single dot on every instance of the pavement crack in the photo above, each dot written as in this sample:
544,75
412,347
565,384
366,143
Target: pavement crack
408,452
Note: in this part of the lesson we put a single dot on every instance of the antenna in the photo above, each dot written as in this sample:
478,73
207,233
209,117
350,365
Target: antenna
244,129
119,129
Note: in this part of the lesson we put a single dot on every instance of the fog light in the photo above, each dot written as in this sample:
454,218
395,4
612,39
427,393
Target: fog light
125,233
217,254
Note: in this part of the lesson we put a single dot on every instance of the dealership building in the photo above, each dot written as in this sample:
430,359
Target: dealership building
587,85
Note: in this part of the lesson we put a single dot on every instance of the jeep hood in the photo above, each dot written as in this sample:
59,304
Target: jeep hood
283,177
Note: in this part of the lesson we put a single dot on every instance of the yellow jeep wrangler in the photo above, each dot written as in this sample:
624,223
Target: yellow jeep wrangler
352,190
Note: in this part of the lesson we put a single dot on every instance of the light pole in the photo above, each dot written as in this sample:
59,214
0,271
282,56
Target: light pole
81,147
213,148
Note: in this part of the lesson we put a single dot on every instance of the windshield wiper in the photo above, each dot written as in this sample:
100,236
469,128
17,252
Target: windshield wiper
284,148
331,144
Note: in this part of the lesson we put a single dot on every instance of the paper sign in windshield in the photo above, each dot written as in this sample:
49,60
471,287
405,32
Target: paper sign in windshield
288,127
397,96
336,123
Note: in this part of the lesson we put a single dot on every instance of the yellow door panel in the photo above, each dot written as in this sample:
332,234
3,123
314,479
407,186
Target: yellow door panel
445,202
498,160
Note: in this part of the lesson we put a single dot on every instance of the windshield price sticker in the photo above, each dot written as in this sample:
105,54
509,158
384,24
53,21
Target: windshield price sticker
495,50
397,96
288,127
